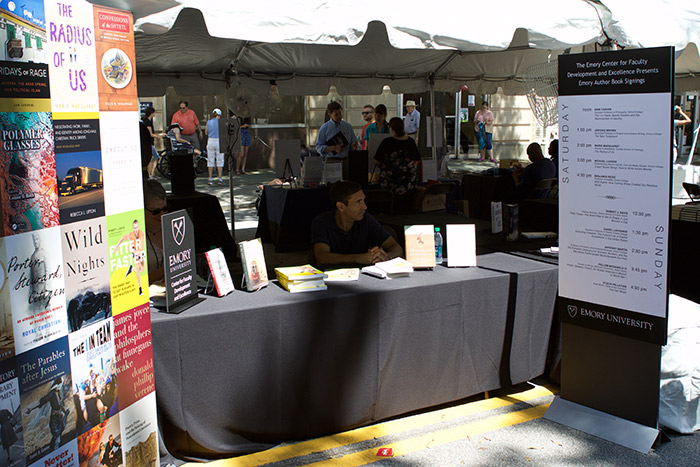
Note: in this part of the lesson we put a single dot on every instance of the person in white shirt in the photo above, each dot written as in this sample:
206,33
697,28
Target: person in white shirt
411,121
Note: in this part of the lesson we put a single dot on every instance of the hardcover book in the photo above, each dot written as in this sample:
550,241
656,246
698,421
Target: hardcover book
420,245
37,287
254,268
219,271
338,139
86,259
29,199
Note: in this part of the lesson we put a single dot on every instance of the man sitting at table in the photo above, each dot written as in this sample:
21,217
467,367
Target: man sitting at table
539,169
348,235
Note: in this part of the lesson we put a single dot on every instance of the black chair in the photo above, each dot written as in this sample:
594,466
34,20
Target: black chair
542,188
693,190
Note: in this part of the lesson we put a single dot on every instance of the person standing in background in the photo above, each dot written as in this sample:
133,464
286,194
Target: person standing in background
379,126
190,124
147,120
333,131
368,117
215,156
483,129
246,142
411,121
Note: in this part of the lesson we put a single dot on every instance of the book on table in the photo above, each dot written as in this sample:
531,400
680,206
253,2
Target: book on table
392,269
304,278
254,268
420,245
342,275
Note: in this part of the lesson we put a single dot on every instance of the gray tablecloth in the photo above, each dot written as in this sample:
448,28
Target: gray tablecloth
235,373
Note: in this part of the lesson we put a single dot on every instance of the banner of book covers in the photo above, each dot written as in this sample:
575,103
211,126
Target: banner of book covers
76,362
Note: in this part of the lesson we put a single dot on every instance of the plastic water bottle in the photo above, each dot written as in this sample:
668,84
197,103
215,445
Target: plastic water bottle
438,246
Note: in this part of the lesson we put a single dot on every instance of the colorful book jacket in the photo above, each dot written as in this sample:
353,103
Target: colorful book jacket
116,57
134,355
86,259
420,245
27,172
102,445
94,372
37,287
46,398
254,268
128,270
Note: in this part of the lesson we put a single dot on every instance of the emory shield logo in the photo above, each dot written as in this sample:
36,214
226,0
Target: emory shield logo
572,310
178,229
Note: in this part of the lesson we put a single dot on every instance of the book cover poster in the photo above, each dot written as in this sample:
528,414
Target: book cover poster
139,433
134,355
420,245
12,452
94,370
24,87
23,33
254,268
48,411
71,47
7,334
28,172
121,161
116,59
66,456
86,257
37,287
78,168
102,445
128,271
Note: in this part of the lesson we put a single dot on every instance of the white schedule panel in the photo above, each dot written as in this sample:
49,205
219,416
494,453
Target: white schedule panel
615,132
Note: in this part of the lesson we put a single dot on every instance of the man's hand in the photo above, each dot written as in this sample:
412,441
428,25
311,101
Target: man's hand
377,255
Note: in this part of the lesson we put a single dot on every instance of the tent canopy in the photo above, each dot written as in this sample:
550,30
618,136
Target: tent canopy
305,46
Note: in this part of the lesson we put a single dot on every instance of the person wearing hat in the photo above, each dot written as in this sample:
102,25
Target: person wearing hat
411,121
215,156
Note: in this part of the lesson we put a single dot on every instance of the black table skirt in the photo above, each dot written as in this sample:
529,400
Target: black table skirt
236,374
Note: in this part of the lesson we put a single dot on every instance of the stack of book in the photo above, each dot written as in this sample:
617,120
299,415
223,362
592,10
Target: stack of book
392,269
304,278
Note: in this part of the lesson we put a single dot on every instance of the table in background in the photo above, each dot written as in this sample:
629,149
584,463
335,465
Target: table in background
240,373
210,226
480,190
285,215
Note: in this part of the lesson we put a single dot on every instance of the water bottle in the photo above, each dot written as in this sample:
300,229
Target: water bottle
438,246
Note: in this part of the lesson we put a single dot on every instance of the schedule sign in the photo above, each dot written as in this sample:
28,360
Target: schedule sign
615,128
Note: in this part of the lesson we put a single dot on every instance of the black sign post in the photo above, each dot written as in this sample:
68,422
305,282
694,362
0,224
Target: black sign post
615,130
179,262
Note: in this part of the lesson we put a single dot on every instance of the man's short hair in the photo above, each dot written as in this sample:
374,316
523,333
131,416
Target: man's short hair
333,106
535,150
369,106
342,191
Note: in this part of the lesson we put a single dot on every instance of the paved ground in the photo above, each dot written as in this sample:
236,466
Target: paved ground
506,429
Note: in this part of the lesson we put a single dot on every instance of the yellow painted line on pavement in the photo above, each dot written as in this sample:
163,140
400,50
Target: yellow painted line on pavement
439,438
382,429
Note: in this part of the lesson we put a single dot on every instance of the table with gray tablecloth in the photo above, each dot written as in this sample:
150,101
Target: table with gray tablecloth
239,373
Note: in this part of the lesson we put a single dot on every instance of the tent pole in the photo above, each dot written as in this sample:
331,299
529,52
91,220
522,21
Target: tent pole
458,123
432,114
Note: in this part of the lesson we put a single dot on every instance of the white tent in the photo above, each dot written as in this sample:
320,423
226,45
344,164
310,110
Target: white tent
206,46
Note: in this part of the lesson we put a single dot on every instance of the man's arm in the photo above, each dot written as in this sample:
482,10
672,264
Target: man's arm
392,248
324,256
